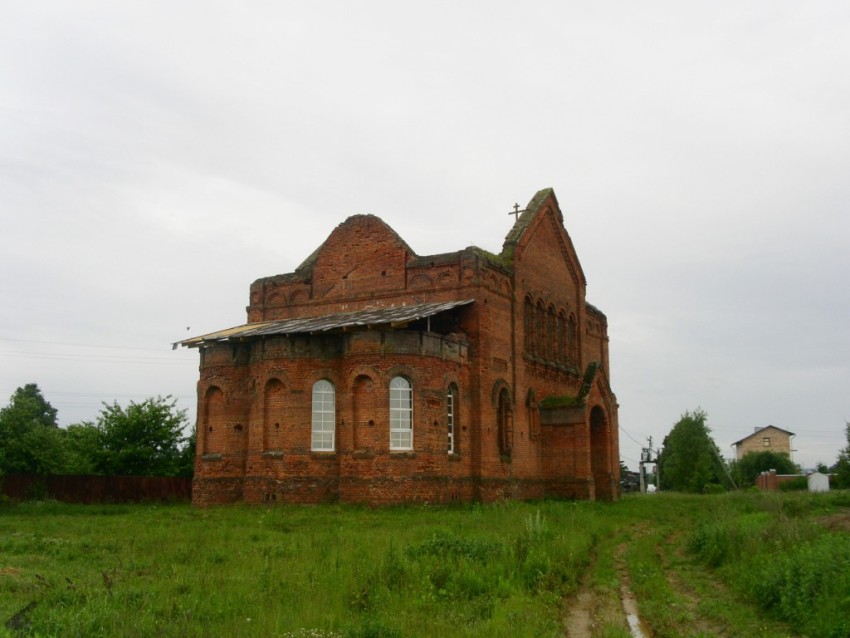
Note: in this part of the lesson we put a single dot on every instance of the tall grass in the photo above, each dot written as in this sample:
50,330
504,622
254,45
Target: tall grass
291,571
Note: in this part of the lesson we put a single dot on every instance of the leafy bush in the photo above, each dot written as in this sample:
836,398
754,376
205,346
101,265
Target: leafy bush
794,485
808,586
454,547
787,564
719,542
747,469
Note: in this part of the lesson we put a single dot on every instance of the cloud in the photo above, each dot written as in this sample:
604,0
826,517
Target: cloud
157,158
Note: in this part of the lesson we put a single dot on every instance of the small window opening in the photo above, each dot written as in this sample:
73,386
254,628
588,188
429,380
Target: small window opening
451,417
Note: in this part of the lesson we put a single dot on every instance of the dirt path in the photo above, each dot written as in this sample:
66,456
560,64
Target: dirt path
578,620
591,609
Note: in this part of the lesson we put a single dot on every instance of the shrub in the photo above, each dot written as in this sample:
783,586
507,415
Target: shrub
794,485
808,586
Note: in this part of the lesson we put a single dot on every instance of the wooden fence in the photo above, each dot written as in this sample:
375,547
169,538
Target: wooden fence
96,489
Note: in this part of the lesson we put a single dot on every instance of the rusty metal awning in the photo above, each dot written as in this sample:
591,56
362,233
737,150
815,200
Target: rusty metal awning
338,321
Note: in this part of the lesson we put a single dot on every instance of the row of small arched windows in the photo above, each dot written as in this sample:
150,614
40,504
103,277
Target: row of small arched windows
550,335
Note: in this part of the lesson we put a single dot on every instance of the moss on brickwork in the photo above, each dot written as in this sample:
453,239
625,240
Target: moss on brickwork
589,376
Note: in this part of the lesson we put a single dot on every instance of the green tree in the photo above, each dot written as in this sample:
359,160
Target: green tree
841,469
83,445
186,465
747,468
30,439
145,439
690,460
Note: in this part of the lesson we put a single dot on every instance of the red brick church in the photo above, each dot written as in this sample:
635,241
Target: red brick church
372,374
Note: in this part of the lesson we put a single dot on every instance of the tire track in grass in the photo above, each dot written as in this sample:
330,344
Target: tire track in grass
627,598
592,611
709,601
700,625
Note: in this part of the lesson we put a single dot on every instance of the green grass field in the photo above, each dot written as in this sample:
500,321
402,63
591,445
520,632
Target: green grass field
737,565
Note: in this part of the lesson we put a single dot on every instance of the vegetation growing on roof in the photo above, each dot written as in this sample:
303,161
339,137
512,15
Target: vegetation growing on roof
504,261
560,401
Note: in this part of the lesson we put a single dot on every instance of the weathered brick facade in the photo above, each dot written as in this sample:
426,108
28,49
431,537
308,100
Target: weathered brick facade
501,350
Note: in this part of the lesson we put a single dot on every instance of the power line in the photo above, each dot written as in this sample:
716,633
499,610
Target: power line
94,358
630,436
85,345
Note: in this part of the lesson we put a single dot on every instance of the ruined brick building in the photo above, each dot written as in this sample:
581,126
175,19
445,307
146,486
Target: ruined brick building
375,375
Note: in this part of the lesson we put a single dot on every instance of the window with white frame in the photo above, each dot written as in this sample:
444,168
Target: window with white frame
324,416
451,416
401,414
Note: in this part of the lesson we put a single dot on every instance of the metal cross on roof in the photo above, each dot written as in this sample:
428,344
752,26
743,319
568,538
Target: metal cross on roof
517,212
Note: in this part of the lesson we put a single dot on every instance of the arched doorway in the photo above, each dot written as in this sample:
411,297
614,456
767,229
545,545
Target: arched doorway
600,454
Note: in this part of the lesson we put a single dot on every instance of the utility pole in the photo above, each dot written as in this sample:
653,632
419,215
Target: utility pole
646,457
657,470
723,465
651,460
640,472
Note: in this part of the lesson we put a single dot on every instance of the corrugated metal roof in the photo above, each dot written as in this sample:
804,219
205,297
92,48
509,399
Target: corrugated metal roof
309,325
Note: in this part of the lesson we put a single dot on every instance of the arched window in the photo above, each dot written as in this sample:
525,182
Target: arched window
528,325
324,416
401,414
551,336
561,353
451,416
572,341
505,419
540,330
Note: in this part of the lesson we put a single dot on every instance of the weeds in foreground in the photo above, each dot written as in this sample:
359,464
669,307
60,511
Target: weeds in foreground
796,570
290,571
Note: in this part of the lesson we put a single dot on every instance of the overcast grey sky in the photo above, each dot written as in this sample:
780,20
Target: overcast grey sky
157,157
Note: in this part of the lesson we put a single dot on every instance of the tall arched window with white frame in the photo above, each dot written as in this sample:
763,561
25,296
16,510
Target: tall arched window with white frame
451,417
324,416
401,414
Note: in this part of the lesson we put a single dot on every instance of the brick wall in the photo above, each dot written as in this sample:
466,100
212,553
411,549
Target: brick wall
770,480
